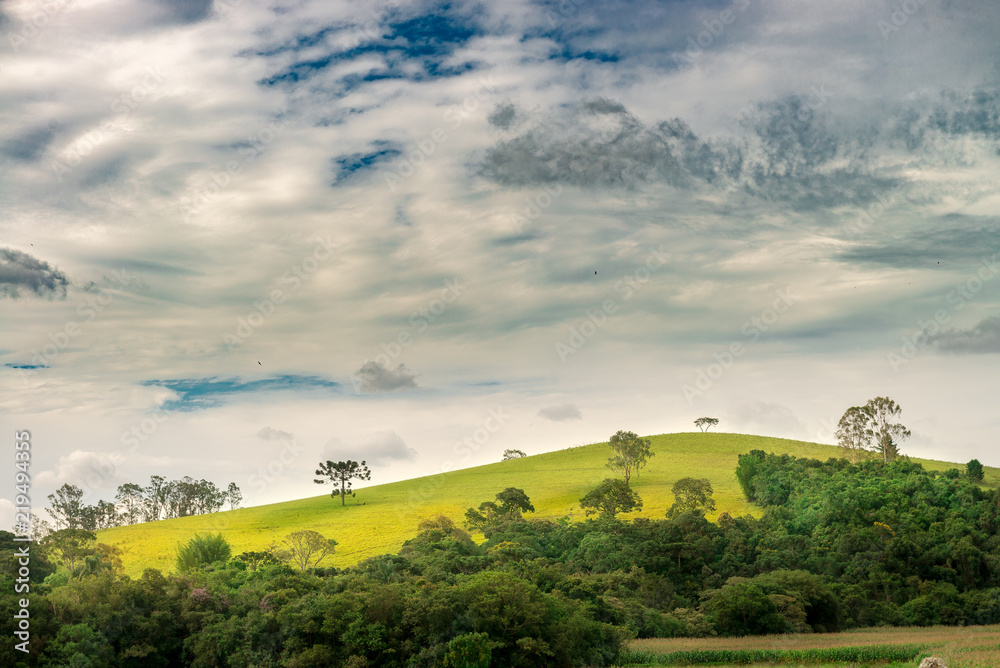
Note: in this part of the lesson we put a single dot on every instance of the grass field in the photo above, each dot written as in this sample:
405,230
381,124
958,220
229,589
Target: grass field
960,647
382,517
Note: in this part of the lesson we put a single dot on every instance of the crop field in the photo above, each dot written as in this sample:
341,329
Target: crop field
960,647
382,517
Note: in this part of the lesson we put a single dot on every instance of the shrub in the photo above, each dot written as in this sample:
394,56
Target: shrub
202,551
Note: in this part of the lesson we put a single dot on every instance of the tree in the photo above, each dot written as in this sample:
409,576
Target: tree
306,546
234,496
510,505
853,431
341,474
706,423
631,453
255,560
129,499
202,551
691,494
69,547
885,432
974,469
611,497
156,497
513,454
67,509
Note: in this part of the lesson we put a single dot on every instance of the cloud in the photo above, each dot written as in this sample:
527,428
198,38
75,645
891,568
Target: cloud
271,434
85,469
184,11
21,271
982,339
379,449
28,145
373,377
766,419
782,151
561,412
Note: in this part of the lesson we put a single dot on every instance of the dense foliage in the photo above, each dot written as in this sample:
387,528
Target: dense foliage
838,546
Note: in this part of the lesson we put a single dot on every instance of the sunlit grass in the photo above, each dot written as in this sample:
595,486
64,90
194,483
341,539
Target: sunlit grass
382,517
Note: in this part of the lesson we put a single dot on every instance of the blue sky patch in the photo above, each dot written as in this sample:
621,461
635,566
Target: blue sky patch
198,393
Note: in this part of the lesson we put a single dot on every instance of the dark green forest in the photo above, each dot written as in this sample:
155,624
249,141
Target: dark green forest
838,546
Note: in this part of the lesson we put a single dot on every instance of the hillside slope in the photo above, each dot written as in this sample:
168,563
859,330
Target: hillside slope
383,517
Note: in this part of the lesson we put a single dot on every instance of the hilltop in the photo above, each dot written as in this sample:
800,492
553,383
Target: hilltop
383,517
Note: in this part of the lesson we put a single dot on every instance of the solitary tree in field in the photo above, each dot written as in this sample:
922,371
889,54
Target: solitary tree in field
305,548
341,474
631,453
706,423
885,431
691,494
853,432
513,454
611,497
974,469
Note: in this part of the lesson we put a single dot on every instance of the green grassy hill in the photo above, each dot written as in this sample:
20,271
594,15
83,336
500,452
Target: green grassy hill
381,518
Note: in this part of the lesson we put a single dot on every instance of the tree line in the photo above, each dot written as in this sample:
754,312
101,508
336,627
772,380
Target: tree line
161,499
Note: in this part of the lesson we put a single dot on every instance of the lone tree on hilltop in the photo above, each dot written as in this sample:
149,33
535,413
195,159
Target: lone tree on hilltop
631,453
706,423
691,494
341,474
513,453
611,497
974,469
882,411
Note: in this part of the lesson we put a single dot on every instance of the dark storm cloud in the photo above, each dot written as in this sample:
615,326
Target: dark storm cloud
789,155
184,11
982,339
375,378
20,271
944,242
29,145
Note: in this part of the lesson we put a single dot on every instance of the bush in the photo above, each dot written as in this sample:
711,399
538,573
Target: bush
202,551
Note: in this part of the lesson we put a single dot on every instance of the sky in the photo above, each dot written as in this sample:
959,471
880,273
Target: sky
241,237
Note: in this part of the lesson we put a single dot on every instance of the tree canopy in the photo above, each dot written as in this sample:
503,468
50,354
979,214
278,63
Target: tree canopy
631,453
341,474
